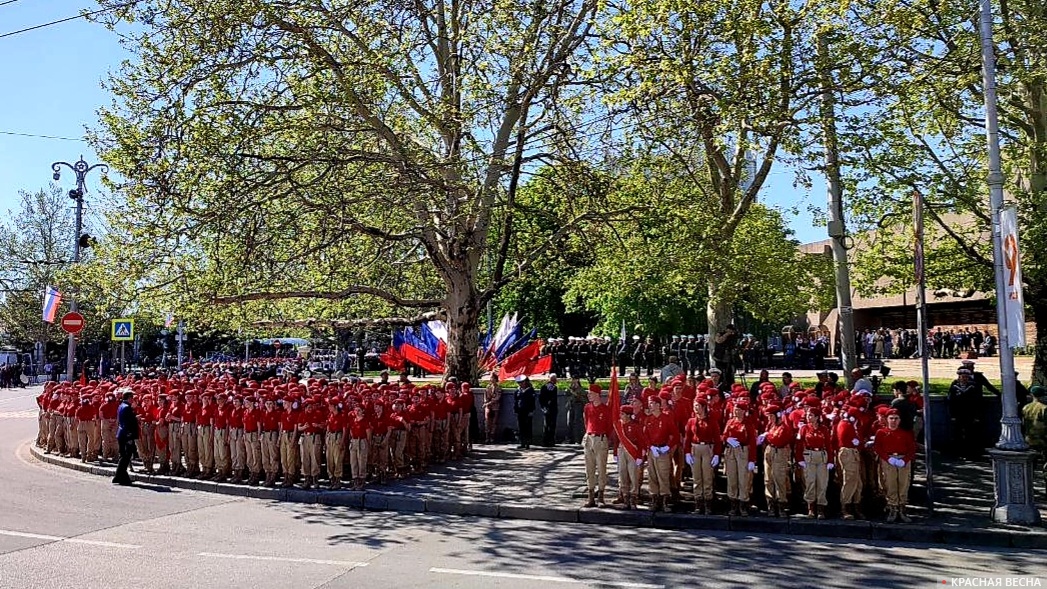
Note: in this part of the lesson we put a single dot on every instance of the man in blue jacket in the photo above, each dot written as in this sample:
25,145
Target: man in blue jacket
126,434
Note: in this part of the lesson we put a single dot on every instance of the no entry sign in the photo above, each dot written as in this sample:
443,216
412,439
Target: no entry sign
73,322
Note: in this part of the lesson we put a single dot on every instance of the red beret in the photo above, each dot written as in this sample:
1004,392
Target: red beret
595,388
665,395
627,409
772,408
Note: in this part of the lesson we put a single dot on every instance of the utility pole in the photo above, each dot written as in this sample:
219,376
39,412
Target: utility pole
837,226
1013,462
80,168
922,321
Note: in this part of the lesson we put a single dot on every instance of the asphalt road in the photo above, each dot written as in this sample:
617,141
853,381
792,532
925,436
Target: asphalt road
63,529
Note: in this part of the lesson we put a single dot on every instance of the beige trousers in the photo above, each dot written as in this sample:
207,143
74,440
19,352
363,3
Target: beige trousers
595,461
702,471
736,466
776,473
849,461
358,449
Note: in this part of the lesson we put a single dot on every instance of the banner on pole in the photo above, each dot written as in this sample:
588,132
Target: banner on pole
1012,262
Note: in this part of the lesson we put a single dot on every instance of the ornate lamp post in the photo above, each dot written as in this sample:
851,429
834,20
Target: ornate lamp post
80,168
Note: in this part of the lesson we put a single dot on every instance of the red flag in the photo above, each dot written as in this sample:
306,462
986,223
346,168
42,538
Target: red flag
83,378
421,358
519,362
392,359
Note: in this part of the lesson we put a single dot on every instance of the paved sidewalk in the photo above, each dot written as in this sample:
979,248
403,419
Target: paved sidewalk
548,485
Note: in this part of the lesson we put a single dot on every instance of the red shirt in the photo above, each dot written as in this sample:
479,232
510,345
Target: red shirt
289,420
174,413
744,433
336,422
206,415
250,418
633,431
86,412
781,435
221,416
191,413
270,420
814,437
441,410
597,419
702,431
236,418
313,421
109,409
466,402
661,430
846,434
398,420
358,428
682,412
897,442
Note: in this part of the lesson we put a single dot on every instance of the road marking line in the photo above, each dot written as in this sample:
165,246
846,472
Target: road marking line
70,540
17,398
341,563
26,414
546,578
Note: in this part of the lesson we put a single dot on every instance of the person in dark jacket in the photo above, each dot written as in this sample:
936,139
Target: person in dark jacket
524,406
548,400
126,435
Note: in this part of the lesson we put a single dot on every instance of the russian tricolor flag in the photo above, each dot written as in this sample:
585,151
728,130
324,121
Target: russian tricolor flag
52,298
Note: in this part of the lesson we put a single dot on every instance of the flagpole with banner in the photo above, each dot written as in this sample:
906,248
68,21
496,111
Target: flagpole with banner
921,320
1013,462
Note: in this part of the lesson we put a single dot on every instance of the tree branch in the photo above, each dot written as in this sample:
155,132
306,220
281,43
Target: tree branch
329,295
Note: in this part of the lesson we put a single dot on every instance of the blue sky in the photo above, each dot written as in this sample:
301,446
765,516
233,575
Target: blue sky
52,87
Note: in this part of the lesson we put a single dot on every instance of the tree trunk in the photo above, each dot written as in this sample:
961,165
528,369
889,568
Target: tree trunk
463,335
1036,299
718,311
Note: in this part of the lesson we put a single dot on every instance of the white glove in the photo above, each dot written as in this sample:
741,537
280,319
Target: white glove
654,451
802,463
689,460
830,466
870,443
715,461
892,461
856,442
615,458
733,442
639,462
760,439
901,463
664,449
751,466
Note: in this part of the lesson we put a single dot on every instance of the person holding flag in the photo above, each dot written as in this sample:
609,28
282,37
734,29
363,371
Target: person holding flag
629,453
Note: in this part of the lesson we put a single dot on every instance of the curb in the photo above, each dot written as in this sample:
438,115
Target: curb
382,501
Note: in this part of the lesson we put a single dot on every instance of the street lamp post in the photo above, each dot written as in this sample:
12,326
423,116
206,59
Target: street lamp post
80,168
1013,463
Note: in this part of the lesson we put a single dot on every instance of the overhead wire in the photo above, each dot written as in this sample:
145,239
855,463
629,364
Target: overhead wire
55,22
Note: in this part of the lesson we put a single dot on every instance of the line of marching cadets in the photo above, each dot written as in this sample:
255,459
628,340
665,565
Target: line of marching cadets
788,431
224,429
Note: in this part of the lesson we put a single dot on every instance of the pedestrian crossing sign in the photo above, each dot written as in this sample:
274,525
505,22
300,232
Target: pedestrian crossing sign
123,330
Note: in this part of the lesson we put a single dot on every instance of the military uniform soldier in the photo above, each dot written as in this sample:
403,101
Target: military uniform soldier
1034,421
689,350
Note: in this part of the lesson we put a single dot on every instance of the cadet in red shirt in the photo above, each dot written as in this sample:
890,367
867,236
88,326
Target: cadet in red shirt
220,420
739,457
778,436
250,417
660,430
237,447
850,443
270,441
703,444
631,447
896,449
359,445
289,441
595,444
205,435
310,429
814,453
190,432
335,442
85,414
